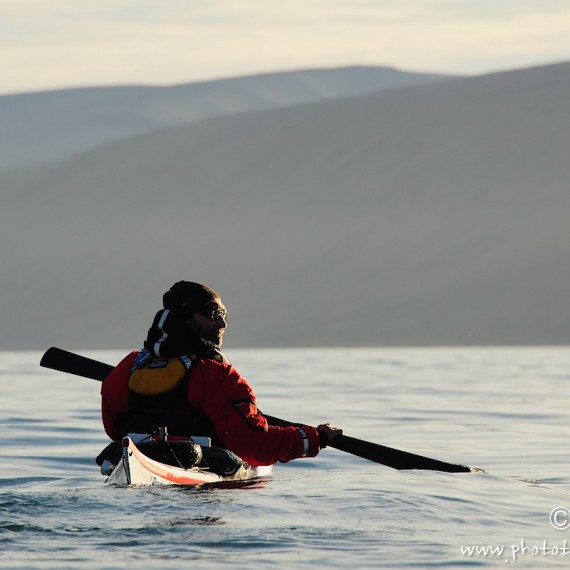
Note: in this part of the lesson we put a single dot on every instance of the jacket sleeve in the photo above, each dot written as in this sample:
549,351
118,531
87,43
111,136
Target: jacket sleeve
230,403
115,397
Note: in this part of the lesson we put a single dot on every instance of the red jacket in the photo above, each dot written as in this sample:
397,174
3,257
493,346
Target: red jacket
217,390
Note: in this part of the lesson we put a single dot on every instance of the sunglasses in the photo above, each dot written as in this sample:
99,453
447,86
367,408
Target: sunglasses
213,312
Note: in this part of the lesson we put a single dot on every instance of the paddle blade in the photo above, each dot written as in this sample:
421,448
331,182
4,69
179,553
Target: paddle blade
394,458
64,361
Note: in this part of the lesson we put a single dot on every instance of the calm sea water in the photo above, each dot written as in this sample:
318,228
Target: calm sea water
504,410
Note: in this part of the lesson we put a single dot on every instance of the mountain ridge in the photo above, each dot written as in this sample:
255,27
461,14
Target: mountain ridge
56,124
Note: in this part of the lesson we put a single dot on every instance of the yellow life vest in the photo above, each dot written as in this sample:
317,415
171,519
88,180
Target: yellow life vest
159,376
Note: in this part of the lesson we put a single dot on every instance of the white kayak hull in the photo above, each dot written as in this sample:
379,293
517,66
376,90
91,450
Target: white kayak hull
135,468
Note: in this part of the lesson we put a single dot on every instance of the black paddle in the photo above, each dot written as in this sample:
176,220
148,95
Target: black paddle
64,361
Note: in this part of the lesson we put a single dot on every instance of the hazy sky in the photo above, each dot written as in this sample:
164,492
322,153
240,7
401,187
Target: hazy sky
48,44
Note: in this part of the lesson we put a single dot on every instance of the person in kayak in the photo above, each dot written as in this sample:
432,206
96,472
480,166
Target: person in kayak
182,382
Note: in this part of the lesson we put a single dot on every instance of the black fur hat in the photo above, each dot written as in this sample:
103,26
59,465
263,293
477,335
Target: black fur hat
187,297
169,335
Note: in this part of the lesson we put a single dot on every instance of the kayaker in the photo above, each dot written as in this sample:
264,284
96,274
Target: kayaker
181,381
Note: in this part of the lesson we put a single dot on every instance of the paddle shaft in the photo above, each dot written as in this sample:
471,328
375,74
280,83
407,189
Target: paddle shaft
71,363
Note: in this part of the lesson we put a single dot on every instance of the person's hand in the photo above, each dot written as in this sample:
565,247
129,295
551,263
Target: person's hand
327,433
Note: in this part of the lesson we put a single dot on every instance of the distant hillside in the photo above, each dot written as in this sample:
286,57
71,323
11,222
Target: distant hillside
432,214
47,126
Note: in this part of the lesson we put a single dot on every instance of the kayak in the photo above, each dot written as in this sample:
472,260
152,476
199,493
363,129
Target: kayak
137,468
